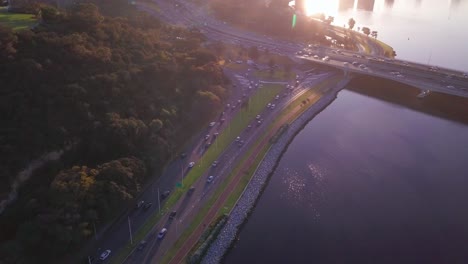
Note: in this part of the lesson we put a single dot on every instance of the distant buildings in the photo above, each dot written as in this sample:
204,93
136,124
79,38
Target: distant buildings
367,5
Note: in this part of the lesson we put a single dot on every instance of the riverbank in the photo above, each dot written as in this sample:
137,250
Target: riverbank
436,104
252,192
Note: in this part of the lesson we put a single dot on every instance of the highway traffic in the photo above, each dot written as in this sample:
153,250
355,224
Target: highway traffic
190,15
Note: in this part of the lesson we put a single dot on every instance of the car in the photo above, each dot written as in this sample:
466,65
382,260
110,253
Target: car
191,190
345,63
191,164
400,76
215,135
450,86
210,179
238,139
277,97
207,137
104,255
212,124
326,58
183,155
172,215
257,117
273,106
140,204
162,233
165,194
259,122
268,105
316,57
142,245
215,163
147,206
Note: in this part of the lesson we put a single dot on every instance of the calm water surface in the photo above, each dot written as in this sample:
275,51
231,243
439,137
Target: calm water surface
365,182
425,31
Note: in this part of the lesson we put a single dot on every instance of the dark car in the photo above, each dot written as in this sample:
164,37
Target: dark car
183,155
140,204
172,215
147,206
142,245
190,191
165,194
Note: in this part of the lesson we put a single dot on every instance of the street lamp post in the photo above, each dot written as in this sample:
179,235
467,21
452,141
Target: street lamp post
130,230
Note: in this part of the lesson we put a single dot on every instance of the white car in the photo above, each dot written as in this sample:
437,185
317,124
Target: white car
162,233
257,117
105,254
212,124
210,179
191,164
345,63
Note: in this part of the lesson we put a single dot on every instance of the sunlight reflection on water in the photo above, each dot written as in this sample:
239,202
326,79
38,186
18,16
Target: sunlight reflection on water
304,189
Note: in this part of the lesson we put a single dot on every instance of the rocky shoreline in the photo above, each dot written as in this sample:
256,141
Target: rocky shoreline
246,202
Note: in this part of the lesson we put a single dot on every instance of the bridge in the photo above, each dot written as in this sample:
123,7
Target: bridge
425,77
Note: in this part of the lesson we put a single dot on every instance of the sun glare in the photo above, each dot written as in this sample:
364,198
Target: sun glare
328,7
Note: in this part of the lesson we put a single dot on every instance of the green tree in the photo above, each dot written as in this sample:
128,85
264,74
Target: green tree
351,23
366,31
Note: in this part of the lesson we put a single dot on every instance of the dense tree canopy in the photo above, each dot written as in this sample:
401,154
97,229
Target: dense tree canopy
124,91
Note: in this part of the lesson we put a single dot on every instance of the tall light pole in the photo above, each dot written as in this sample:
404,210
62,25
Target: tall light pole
159,202
94,227
130,230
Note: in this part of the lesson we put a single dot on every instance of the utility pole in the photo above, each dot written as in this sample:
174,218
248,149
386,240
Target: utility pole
159,202
94,227
130,231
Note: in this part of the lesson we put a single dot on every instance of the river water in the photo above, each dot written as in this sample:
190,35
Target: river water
426,31
368,181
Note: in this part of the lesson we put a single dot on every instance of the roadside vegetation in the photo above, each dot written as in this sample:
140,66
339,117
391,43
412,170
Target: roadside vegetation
240,121
122,91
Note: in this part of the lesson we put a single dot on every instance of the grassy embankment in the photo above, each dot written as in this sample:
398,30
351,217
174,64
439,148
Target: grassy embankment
257,102
16,21
313,95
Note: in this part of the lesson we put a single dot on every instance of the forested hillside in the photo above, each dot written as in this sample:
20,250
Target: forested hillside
121,92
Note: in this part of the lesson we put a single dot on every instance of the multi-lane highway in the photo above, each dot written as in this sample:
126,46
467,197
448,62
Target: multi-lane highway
188,14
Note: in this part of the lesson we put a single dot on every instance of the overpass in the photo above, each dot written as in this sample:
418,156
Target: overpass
424,77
